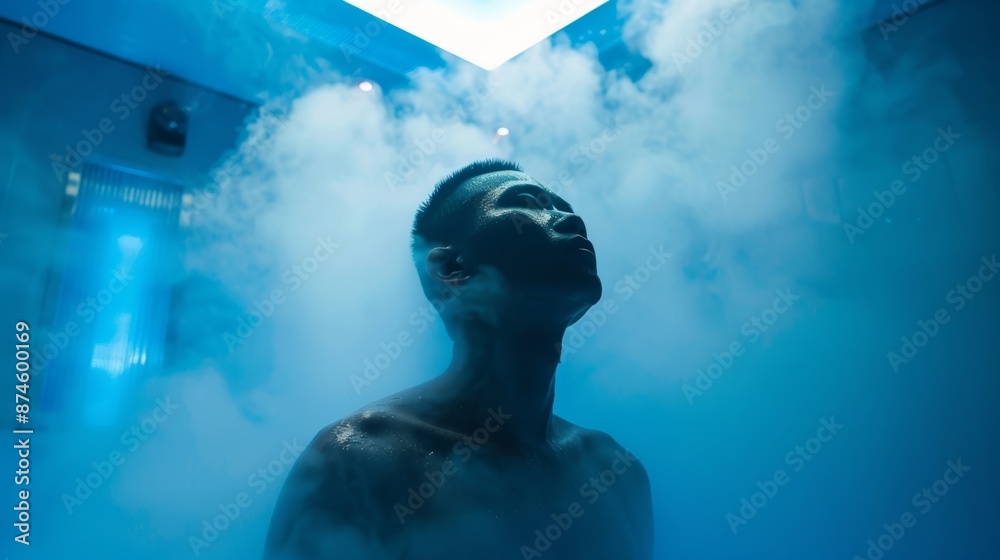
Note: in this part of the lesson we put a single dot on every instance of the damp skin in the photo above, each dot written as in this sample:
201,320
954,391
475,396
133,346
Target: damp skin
473,463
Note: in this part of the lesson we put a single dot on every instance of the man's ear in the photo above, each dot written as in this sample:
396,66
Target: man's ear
444,265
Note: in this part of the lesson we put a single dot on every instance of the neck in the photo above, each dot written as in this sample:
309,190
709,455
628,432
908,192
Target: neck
496,368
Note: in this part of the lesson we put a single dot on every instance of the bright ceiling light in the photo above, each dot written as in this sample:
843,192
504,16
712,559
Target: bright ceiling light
486,33
502,131
365,86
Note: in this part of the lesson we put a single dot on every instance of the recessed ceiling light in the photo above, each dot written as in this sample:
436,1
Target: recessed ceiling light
486,33
365,86
502,131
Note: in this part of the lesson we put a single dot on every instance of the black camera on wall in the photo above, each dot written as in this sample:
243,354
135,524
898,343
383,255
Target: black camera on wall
167,133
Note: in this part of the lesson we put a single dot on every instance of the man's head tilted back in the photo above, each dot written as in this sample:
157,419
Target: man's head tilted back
496,245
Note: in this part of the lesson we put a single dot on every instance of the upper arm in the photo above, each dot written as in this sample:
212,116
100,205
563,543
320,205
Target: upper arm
315,534
636,495
328,508
642,502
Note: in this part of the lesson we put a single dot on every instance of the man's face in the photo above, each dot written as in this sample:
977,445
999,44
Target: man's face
532,237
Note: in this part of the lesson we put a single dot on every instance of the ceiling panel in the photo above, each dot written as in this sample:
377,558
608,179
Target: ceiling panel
249,48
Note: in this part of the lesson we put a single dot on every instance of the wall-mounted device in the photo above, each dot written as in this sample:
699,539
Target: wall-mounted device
167,132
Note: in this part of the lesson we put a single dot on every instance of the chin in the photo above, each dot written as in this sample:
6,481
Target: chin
588,290
584,308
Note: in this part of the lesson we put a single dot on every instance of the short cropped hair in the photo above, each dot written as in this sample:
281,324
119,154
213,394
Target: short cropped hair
434,222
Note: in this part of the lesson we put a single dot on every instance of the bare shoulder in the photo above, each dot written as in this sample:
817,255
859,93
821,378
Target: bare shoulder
334,495
593,443
616,472
365,430
353,446
603,453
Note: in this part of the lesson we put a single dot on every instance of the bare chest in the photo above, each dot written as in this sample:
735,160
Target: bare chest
487,510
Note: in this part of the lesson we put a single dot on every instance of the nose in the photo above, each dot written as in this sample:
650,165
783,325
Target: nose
571,225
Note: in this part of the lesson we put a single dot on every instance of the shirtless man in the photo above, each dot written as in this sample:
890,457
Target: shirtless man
473,464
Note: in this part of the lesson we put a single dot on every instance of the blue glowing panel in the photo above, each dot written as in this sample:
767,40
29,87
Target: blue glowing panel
114,293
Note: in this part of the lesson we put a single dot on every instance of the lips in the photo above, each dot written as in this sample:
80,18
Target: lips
581,243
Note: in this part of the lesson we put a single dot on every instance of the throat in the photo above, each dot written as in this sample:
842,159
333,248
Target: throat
512,371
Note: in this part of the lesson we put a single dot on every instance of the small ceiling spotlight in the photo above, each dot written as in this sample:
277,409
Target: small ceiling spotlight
365,86
502,131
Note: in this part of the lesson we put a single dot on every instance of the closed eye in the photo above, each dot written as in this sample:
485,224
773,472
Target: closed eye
529,200
535,198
